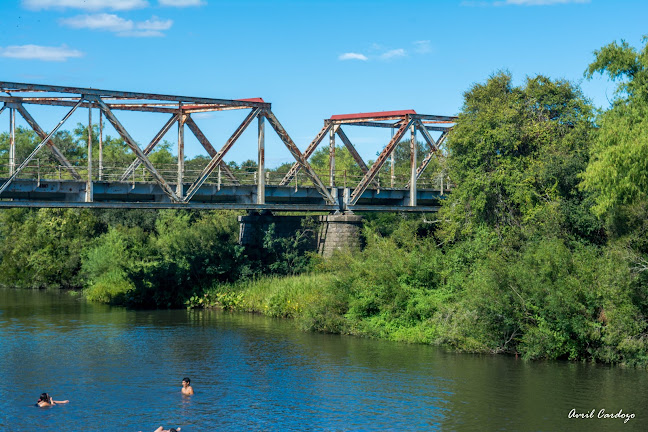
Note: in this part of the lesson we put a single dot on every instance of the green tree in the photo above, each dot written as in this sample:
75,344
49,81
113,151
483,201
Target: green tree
515,155
618,171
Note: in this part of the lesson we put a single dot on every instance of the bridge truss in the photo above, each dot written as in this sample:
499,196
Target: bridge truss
92,188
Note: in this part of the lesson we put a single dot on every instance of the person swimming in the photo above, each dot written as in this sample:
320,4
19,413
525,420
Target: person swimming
46,400
186,387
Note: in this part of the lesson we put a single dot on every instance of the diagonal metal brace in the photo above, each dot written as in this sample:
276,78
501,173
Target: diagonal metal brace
373,171
39,147
41,133
210,149
219,157
434,148
299,157
149,148
307,154
133,146
347,142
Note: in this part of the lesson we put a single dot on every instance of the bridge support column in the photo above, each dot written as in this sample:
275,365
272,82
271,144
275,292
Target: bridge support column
339,232
323,234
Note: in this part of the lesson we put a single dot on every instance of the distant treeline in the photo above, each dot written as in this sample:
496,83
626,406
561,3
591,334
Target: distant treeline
540,250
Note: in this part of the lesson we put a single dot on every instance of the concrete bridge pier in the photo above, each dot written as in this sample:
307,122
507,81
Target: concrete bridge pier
324,234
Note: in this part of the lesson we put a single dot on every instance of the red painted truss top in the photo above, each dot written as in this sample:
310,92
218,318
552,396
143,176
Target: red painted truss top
372,115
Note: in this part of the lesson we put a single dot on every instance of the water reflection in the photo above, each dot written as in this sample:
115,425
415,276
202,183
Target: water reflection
122,369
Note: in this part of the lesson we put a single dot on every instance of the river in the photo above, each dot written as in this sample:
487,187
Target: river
122,370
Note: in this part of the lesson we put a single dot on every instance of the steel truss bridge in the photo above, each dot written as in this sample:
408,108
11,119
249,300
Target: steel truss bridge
213,185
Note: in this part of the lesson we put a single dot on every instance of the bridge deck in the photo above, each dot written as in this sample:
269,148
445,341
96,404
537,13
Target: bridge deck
115,194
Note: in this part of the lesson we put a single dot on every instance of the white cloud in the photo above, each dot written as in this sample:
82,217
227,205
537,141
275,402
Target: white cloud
400,52
182,3
108,22
423,46
152,27
89,5
352,56
155,23
38,52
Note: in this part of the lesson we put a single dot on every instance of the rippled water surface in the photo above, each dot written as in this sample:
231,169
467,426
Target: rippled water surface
121,371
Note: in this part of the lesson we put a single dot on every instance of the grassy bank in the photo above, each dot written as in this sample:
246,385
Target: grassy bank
548,300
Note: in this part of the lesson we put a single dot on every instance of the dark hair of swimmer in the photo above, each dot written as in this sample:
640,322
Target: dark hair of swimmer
187,380
44,397
172,430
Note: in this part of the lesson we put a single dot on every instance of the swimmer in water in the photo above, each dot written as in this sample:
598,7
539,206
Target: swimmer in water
46,400
161,429
186,387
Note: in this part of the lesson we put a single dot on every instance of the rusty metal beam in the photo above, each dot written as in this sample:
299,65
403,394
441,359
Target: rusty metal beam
426,136
371,124
133,146
394,125
354,153
332,156
373,171
307,154
41,133
149,148
413,177
202,139
89,192
38,148
12,139
219,157
299,157
261,161
435,118
24,87
180,182
434,149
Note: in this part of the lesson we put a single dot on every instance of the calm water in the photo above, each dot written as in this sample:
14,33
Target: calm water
121,371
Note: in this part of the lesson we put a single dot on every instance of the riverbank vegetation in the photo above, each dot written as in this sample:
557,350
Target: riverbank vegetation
540,250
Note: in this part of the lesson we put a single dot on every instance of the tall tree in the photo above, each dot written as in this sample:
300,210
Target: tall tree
618,171
515,155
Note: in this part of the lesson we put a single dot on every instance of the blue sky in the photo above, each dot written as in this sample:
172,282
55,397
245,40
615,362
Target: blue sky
310,59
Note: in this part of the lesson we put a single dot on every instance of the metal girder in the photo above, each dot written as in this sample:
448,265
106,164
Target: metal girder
307,154
38,148
41,133
281,132
371,124
149,148
169,205
391,125
354,153
134,147
219,157
373,171
428,138
261,172
23,87
202,139
417,209
434,148
436,118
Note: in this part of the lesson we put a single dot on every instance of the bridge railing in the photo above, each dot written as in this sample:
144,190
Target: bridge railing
45,169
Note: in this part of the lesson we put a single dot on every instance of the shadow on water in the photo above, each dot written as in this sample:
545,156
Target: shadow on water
121,370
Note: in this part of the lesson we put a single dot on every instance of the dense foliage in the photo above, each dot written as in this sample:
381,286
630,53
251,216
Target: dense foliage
540,250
